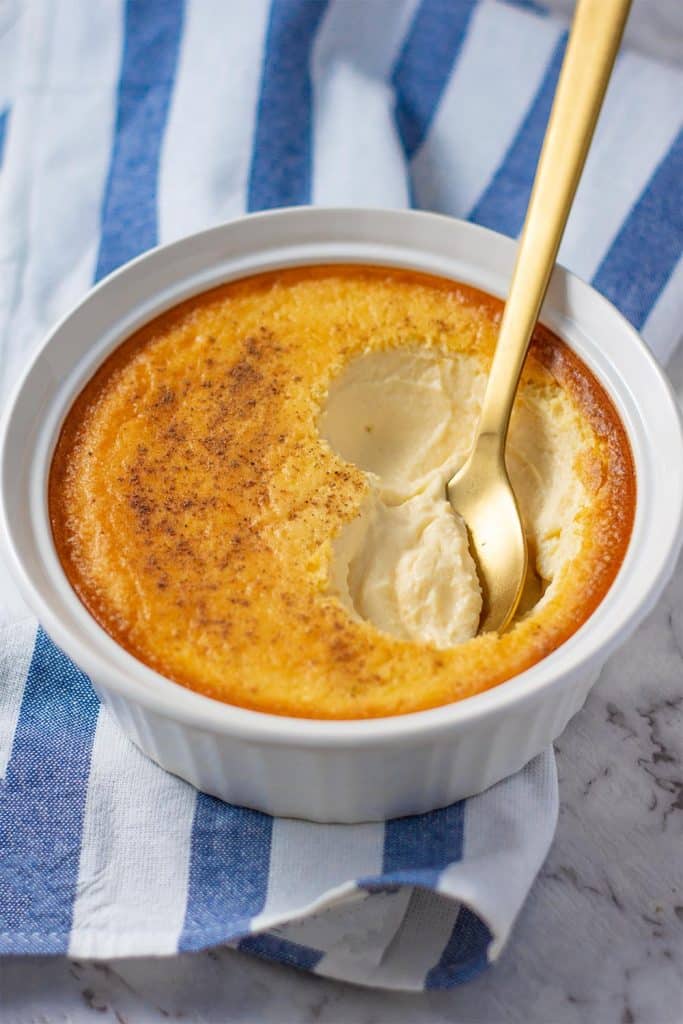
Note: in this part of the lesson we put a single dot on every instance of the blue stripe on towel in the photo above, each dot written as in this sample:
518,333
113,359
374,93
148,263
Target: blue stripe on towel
281,172
647,248
503,204
4,118
465,953
150,51
282,950
42,801
528,5
418,848
424,66
229,862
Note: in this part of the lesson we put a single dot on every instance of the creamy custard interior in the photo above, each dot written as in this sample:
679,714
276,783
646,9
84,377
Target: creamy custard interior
249,495
407,417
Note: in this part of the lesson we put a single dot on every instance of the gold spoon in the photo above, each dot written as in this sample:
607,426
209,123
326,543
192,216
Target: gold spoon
480,491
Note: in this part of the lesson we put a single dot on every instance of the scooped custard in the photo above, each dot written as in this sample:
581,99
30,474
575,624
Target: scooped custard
249,495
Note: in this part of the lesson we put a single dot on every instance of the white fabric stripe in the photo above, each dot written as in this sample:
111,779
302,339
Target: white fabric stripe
617,170
16,652
416,947
62,121
495,79
358,157
12,605
507,834
206,153
16,180
308,862
135,853
361,927
663,329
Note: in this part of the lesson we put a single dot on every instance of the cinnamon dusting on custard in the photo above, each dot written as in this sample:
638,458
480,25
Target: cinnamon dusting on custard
194,503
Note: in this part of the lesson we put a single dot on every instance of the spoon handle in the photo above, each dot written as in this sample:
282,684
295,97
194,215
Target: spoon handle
593,43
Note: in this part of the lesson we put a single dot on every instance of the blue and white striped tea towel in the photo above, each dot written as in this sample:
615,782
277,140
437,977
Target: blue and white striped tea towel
132,123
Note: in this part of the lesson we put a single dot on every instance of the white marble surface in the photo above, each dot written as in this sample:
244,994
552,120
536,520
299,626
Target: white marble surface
601,937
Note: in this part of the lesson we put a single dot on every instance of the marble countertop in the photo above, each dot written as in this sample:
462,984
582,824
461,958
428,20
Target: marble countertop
600,939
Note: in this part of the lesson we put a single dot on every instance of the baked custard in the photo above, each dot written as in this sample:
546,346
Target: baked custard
249,494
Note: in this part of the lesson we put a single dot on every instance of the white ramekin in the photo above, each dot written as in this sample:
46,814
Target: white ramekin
351,770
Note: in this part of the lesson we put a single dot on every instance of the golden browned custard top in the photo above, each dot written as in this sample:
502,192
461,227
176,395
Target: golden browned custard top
205,486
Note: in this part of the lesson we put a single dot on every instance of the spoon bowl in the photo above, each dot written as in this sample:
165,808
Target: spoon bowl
482,494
